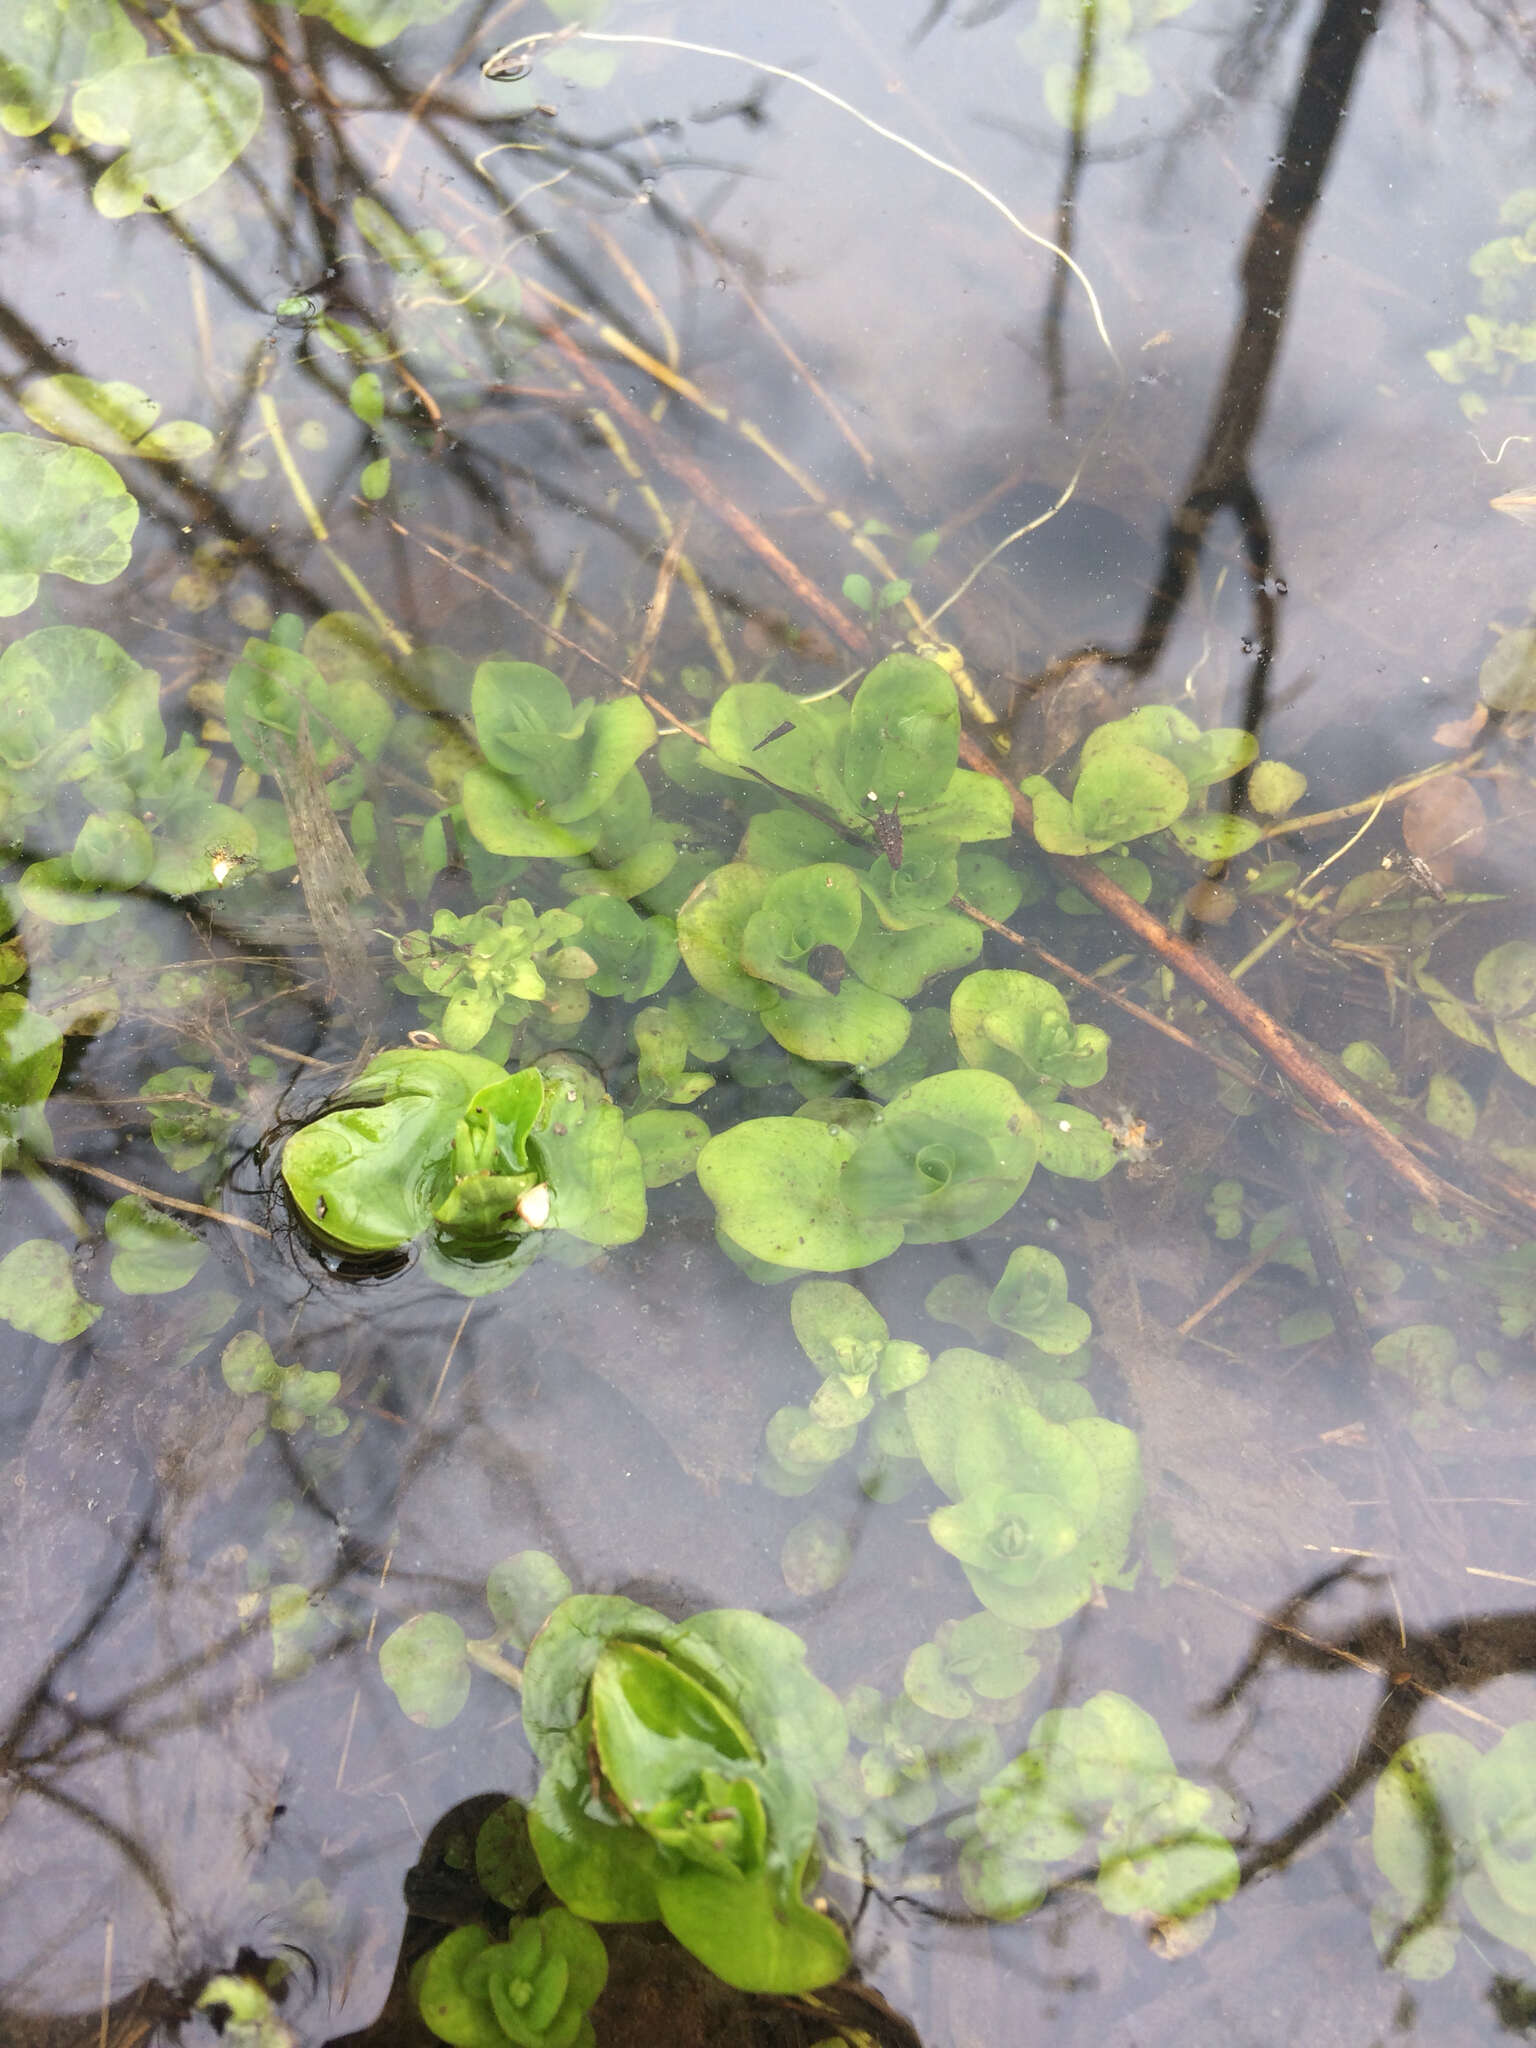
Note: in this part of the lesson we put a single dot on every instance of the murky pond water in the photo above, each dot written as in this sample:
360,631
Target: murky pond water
446,522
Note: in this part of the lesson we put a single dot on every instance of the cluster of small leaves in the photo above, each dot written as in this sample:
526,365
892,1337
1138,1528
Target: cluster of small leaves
293,1396
427,1663
487,1167
1096,1791
81,738
1147,773
480,978
1454,1833
1054,44
939,1736
845,1182
532,1990
1500,341
866,1373
1448,1373
1044,1490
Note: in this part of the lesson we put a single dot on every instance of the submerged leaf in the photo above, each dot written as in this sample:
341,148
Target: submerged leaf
37,1292
62,510
180,122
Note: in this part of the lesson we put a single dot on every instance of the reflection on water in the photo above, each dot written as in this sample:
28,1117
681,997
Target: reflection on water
657,368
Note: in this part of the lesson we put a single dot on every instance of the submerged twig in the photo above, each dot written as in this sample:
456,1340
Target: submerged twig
1301,1068
133,1187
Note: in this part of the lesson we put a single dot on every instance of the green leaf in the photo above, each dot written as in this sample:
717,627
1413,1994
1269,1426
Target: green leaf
565,760
113,418
776,1186
903,735
1074,1142
1275,787
426,1666
180,121
155,1254
1422,1814
855,1027
669,1142
53,891
994,1660
113,850
1056,825
815,1556
1214,835
949,1155
373,479
1449,1106
1018,1025
1125,792
38,1295
840,1330
503,823
804,758
248,1366
1505,979
451,2000
372,22
928,1683
505,1863
47,50
62,510
1031,1299
523,1591
1503,1816
366,398
1507,679
1176,1875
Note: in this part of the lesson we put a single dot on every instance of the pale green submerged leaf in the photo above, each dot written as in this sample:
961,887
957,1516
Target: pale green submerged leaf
48,46
180,122
154,1253
113,418
37,1292
63,511
370,22
425,1664
776,1186
523,1591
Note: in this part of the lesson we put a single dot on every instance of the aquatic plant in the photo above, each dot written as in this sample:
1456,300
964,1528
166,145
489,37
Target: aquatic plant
1097,1789
532,1990
1454,1831
679,1765
448,1146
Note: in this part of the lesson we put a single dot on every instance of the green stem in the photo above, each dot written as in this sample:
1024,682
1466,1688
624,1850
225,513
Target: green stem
485,1652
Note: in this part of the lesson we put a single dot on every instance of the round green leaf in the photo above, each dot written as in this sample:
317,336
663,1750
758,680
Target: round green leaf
1123,793
1505,979
113,850
155,1254
903,735
669,1142
776,1186
53,891
64,510
47,50
38,1295
180,121
523,1591
426,1667
856,1027
815,1556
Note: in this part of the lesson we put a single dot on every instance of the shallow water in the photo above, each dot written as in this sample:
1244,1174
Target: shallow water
1254,500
